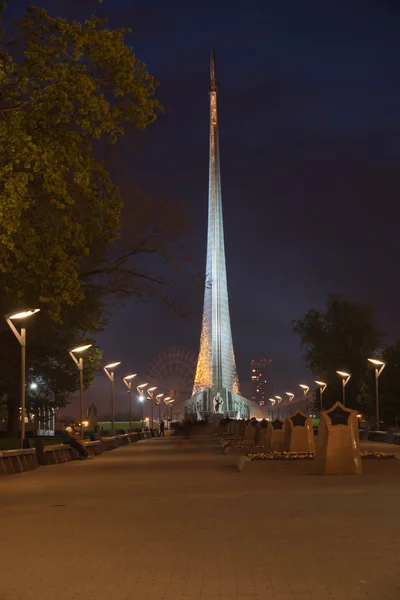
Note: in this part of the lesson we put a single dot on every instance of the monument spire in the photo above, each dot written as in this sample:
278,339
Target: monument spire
216,368
213,83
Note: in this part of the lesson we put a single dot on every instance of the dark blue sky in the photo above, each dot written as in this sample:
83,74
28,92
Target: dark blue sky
309,110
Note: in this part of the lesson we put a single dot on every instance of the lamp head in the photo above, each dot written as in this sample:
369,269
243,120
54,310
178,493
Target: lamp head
321,383
81,348
343,373
152,388
128,377
377,363
23,314
112,365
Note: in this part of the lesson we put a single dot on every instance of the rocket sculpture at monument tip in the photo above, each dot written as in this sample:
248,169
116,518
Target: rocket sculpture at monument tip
216,366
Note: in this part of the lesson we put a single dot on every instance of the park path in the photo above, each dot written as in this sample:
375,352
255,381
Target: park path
168,519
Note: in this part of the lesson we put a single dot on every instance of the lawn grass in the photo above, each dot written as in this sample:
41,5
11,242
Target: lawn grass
14,443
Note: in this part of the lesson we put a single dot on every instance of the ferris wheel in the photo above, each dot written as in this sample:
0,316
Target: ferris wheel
173,371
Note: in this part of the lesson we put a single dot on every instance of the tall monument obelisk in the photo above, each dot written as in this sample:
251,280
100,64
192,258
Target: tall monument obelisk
216,385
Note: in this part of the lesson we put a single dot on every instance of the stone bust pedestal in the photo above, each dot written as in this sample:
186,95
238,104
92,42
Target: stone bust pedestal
338,444
299,435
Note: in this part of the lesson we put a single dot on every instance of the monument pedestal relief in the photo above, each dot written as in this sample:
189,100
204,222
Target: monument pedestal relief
299,435
338,444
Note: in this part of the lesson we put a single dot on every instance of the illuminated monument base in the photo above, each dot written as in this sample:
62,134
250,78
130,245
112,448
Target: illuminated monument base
217,403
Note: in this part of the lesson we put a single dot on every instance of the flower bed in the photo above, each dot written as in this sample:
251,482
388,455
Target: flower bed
377,455
281,456
309,455
241,443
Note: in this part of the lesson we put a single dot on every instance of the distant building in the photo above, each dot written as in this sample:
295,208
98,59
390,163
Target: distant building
261,380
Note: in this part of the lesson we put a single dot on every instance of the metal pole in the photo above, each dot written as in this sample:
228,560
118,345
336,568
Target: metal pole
152,414
80,366
320,399
344,392
377,398
142,413
112,401
130,407
23,384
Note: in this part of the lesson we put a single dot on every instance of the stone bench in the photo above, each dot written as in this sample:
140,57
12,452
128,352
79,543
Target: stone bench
95,447
110,443
58,454
377,436
17,461
134,437
123,439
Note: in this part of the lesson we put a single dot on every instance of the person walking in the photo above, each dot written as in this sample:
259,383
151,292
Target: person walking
162,427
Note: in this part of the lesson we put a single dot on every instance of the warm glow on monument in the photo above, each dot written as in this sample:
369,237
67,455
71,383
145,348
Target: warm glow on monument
203,378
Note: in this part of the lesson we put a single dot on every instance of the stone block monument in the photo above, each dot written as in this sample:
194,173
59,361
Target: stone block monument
278,435
265,434
338,444
299,435
252,431
241,428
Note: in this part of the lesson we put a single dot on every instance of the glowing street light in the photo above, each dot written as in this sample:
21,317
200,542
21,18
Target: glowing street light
290,396
379,366
345,380
305,388
79,364
322,388
109,371
21,337
128,382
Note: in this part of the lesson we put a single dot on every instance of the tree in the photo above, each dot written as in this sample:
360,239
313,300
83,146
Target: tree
342,337
67,90
389,387
64,88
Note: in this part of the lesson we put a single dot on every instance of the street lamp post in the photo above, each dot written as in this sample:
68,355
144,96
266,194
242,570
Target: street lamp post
345,380
141,390
290,395
79,364
128,382
158,400
151,396
109,371
322,388
279,398
166,402
273,404
21,337
379,366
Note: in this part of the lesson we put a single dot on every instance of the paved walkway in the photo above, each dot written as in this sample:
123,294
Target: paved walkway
172,520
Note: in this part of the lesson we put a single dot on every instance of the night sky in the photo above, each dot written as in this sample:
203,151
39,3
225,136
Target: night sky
309,112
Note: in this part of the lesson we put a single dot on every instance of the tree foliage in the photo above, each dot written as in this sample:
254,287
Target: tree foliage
64,87
67,91
342,337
